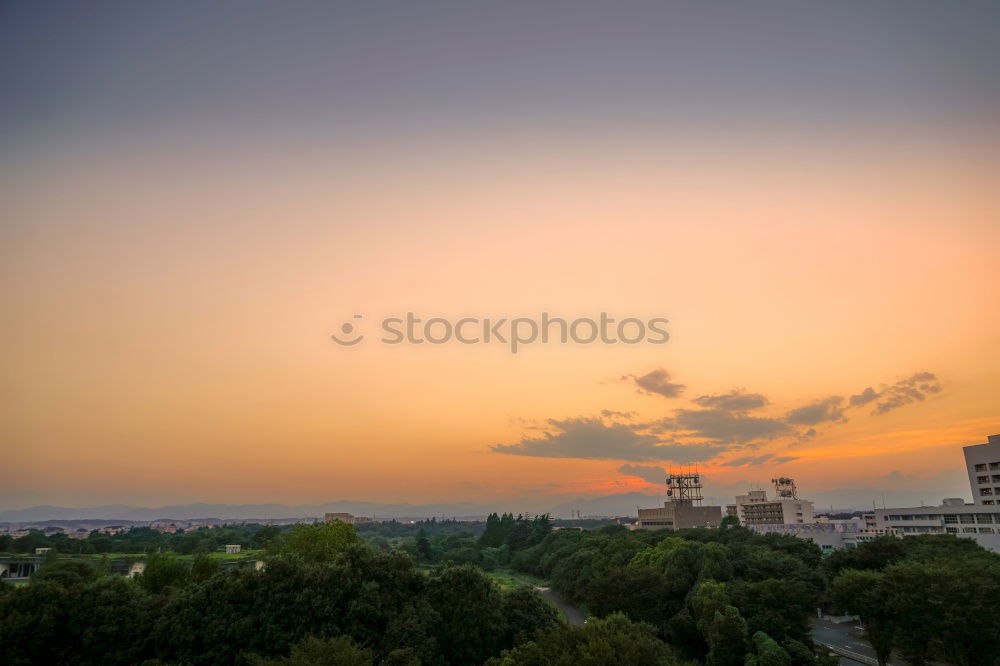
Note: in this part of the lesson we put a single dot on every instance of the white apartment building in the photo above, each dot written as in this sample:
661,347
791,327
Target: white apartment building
755,508
983,463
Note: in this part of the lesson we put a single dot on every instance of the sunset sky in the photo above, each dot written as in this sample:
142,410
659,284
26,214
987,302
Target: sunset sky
195,196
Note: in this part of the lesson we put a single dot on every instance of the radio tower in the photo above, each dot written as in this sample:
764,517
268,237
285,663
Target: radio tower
784,488
684,488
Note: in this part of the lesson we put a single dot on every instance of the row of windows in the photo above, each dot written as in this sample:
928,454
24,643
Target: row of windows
987,479
994,466
988,491
948,517
950,530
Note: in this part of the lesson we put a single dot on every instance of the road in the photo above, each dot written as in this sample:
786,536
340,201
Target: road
847,640
571,613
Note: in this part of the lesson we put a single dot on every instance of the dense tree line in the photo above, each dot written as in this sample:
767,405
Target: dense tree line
145,540
328,595
320,581
929,598
724,596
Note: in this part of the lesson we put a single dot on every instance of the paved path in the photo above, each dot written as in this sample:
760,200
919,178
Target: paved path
847,640
573,614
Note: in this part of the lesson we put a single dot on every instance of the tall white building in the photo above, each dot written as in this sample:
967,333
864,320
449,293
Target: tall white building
983,463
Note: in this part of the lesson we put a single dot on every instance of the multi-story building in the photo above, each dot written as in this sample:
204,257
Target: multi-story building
786,508
983,463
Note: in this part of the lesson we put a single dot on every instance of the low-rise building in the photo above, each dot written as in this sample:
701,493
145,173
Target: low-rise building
972,521
346,518
682,509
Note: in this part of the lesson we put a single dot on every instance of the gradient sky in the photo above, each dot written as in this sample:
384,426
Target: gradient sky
194,196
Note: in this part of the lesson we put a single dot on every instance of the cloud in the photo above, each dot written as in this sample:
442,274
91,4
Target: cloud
906,391
656,382
734,401
720,423
649,473
827,409
592,439
725,427
612,414
864,397
760,460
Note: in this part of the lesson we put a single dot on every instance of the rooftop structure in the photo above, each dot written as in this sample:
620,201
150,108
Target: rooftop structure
683,506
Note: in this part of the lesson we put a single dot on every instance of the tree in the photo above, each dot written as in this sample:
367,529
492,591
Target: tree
424,547
312,651
65,572
612,640
766,652
203,567
163,572
948,605
727,638
317,543
864,593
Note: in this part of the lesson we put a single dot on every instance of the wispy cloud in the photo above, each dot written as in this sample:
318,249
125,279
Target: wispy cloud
592,439
827,409
656,382
714,424
649,473
767,458
735,401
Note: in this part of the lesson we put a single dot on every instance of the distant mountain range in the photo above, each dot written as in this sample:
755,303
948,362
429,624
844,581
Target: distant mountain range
913,493
621,504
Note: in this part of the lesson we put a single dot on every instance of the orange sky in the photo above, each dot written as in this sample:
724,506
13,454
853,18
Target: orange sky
187,215
168,325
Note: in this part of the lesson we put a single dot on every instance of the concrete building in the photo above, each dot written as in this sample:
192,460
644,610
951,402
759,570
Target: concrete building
972,521
983,463
682,509
829,535
233,548
979,520
786,508
346,518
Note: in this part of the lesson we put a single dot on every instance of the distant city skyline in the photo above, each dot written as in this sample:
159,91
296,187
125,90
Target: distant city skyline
194,198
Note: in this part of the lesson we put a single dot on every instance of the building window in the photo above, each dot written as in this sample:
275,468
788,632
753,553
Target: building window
984,478
996,478
966,518
987,501
981,467
995,465
985,491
